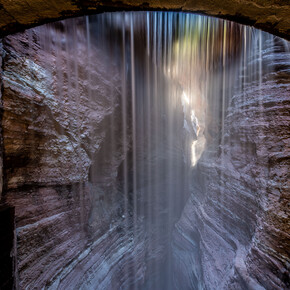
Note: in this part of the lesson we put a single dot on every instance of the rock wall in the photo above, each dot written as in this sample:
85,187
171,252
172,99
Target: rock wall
234,230
58,105
269,15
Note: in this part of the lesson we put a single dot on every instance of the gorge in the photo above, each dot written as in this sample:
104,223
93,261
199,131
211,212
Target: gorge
146,150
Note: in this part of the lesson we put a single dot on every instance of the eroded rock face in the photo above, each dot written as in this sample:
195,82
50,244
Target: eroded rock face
270,15
233,230
63,156
58,104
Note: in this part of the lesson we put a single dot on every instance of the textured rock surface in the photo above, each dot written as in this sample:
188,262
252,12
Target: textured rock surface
234,230
233,233
55,120
51,111
269,15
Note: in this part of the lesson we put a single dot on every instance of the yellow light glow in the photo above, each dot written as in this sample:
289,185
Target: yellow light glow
185,98
195,123
193,153
197,148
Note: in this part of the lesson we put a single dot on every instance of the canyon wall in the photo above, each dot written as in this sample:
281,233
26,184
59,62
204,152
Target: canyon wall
62,112
59,103
234,230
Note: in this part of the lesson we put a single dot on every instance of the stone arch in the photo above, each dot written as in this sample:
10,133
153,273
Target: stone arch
268,15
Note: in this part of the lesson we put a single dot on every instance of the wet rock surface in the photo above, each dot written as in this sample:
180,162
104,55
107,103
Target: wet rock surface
234,230
55,123
63,159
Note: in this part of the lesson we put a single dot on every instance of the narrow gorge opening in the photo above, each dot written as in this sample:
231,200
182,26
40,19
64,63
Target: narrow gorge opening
147,150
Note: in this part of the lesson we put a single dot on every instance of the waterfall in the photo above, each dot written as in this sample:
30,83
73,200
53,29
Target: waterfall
179,72
154,108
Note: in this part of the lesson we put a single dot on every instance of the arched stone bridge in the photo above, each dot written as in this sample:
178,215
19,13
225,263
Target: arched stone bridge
268,15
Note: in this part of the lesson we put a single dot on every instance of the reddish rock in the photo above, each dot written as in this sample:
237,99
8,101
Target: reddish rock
58,102
234,229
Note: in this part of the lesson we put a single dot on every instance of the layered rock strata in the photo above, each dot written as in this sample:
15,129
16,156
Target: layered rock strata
234,230
59,101
61,117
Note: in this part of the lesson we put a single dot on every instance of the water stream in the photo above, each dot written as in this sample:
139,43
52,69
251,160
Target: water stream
179,72
177,78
